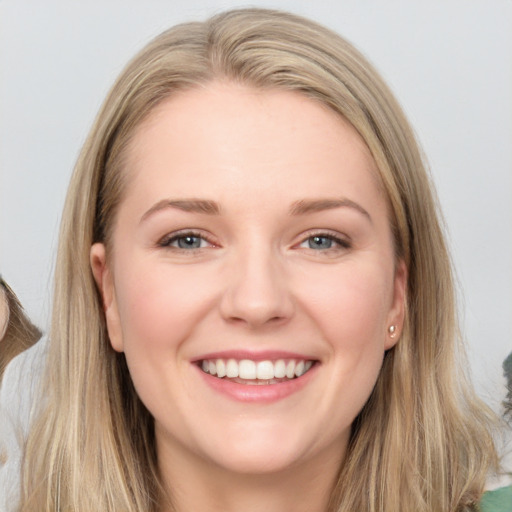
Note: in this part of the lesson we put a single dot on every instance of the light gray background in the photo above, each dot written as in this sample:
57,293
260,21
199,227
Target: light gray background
449,62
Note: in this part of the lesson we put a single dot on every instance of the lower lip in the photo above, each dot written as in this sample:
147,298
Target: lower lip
261,393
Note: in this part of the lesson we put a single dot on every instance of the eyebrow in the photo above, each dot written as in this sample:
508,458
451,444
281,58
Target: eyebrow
316,205
209,207
187,205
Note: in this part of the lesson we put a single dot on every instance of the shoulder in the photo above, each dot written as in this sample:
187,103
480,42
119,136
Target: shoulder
21,380
499,500
18,403
22,376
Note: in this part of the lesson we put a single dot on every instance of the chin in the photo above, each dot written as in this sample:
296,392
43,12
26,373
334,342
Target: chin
262,461
260,448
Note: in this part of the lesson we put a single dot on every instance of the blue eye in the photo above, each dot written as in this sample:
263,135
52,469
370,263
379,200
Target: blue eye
188,242
320,242
185,241
323,242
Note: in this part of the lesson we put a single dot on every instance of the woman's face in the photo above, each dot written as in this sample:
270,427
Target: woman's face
252,278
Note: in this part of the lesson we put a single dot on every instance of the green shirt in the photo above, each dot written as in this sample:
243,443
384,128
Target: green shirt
499,500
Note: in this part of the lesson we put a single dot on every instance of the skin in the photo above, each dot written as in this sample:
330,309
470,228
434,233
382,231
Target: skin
259,282
4,313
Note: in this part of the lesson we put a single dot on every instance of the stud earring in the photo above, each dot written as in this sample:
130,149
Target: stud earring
392,331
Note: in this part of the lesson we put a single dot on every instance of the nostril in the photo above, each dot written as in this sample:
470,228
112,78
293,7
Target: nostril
255,322
258,295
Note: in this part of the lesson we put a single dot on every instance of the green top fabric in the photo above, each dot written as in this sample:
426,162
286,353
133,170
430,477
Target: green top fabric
499,500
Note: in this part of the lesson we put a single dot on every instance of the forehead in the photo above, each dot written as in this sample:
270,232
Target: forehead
223,135
219,109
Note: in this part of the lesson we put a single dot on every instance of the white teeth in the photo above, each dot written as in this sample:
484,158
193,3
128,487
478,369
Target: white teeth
290,369
221,368
279,369
232,369
299,368
251,370
247,369
265,370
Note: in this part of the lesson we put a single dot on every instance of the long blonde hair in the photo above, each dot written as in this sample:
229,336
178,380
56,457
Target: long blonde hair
421,442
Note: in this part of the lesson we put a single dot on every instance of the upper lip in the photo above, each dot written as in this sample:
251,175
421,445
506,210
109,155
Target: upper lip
270,355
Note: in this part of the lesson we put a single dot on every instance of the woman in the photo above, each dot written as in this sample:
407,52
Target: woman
254,303
17,335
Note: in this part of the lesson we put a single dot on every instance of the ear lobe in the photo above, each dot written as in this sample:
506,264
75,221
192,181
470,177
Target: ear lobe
396,315
105,283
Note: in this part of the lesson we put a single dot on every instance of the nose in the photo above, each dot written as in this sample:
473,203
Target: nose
257,291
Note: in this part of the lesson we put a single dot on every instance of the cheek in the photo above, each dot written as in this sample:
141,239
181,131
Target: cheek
350,305
350,309
351,312
160,305
160,309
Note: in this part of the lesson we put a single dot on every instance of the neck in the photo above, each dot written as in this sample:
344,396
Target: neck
197,484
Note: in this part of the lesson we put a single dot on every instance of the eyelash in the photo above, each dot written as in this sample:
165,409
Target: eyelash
341,243
167,241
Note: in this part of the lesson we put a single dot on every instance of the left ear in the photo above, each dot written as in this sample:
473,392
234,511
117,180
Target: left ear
396,314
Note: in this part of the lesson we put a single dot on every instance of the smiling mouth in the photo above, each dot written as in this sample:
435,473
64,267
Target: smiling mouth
246,371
